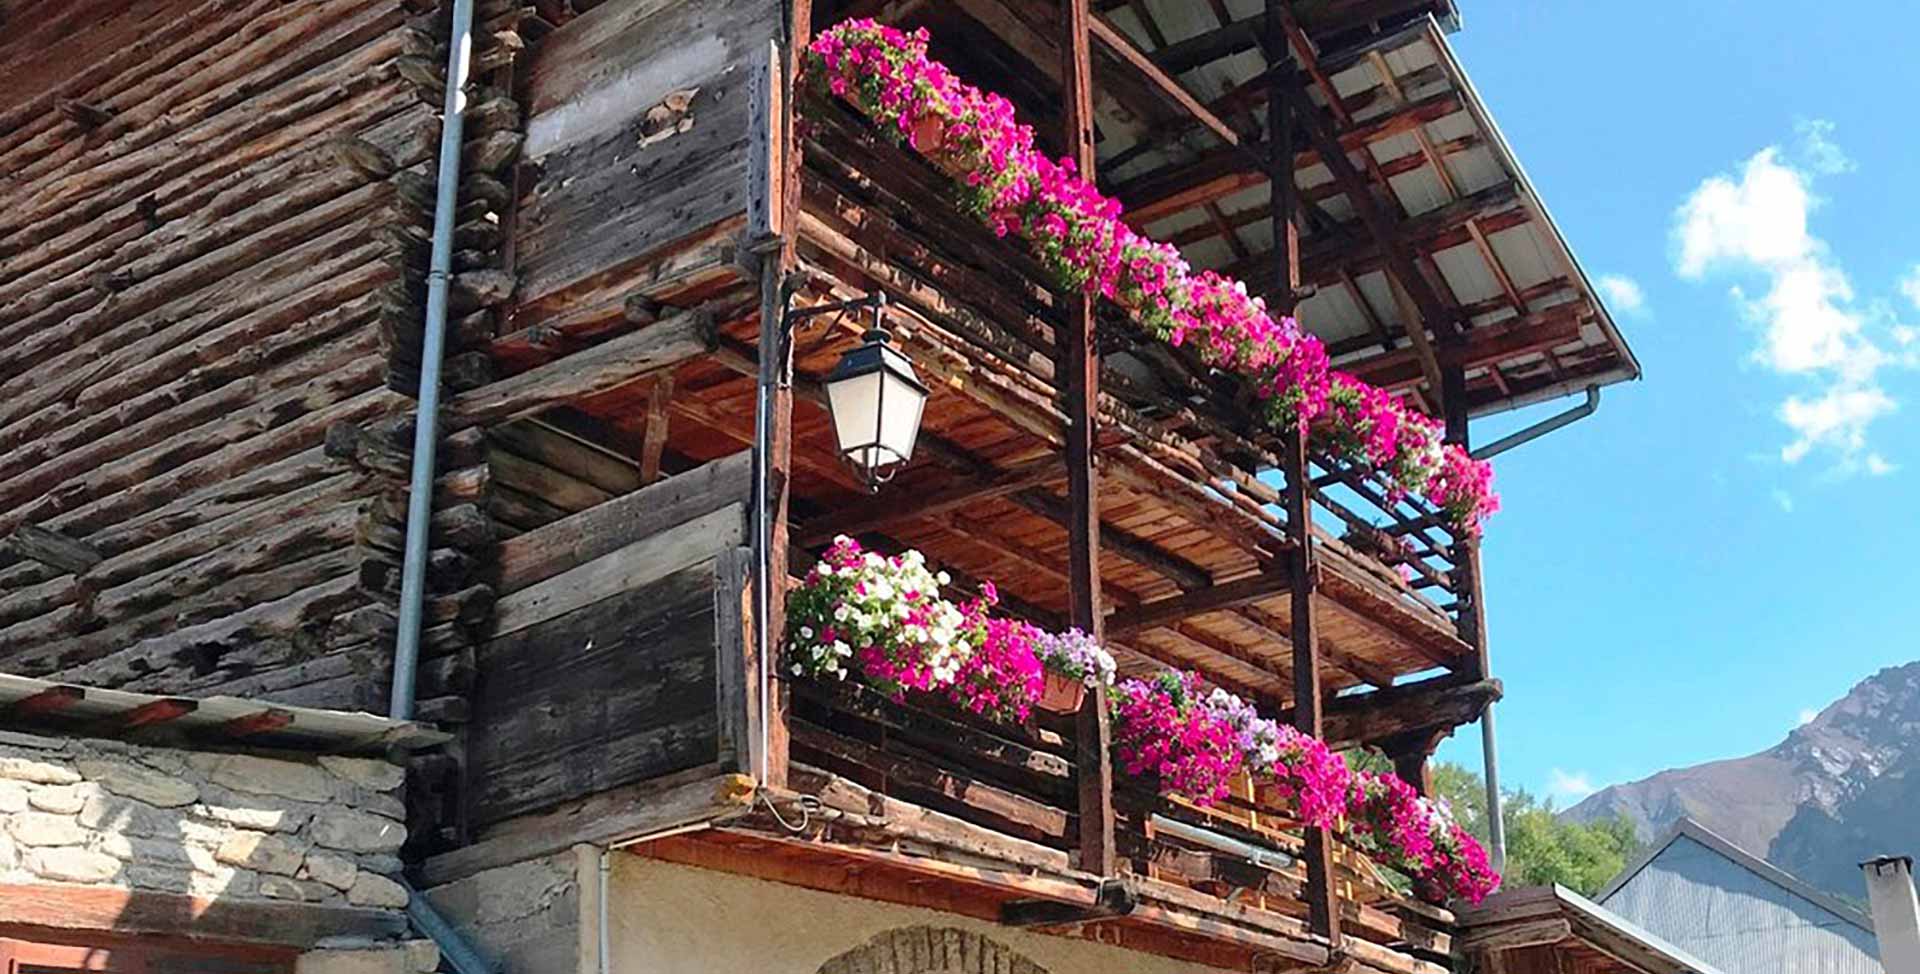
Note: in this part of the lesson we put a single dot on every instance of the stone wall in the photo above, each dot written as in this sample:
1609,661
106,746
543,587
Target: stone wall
227,826
528,916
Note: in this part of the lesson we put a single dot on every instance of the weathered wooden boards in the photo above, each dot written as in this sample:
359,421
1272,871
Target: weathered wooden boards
639,121
616,691
192,269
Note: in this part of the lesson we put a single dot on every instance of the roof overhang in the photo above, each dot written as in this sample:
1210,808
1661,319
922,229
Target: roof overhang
55,709
1557,920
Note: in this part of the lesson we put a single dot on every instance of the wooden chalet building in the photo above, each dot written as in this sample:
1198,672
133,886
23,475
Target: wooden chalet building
221,233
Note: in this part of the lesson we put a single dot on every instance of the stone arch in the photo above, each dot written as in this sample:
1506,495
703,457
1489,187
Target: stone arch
931,950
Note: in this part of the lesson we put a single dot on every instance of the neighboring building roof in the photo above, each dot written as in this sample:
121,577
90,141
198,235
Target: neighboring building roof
62,710
1557,919
1733,908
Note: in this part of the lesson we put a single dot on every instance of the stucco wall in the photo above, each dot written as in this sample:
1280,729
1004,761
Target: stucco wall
671,919
215,825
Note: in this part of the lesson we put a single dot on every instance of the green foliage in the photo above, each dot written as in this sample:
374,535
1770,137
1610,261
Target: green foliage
1542,848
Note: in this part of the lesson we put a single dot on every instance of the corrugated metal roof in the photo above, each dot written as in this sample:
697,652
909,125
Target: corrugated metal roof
1436,157
1738,912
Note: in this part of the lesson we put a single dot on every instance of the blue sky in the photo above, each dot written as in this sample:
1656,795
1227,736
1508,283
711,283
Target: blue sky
1730,542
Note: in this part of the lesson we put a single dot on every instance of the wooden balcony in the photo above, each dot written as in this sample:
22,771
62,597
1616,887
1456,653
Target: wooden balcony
919,804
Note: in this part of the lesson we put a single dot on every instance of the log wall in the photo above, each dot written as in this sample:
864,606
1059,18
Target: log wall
213,240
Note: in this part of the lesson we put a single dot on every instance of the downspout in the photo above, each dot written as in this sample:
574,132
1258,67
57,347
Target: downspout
1543,427
1489,748
426,423
454,949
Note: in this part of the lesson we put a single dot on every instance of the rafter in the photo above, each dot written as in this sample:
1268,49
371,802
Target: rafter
1224,171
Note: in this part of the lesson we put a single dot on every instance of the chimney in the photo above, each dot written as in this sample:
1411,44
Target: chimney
1896,912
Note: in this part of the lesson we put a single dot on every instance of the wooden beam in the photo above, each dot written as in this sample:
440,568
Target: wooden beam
1399,256
266,721
609,365
1510,936
905,507
1322,915
1285,270
1079,370
631,811
52,700
155,712
50,548
655,443
1162,82
1162,612
85,910
1438,703
1489,344
1226,170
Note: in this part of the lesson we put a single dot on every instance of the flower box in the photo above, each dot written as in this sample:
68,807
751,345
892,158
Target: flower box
1062,694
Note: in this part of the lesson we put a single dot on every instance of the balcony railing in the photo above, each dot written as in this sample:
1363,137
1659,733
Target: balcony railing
1020,781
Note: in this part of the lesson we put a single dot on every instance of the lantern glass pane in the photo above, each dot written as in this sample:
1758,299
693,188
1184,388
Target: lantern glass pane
902,403
855,404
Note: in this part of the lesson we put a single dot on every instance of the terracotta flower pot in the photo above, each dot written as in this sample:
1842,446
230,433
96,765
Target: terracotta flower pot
929,135
1062,694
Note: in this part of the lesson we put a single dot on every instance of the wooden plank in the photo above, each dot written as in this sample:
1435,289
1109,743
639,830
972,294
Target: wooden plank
86,909
554,548
616,691
155,712
614,815
1510,936
264,722
635,103
865,517
956,793
642,562
609,365
655,443
737,676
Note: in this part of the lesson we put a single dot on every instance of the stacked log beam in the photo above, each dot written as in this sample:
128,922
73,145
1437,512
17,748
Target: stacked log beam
463,529
213,240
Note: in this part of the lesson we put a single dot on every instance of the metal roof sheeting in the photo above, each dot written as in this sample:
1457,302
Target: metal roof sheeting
1738,912
1509,264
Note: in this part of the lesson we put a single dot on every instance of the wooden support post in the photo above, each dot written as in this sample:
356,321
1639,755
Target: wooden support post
1079,370
1280,170
1323,915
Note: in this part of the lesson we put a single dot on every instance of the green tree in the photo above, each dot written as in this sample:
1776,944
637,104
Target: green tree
1542,848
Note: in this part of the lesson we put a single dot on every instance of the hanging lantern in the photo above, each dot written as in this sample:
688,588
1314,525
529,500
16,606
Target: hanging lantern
876,402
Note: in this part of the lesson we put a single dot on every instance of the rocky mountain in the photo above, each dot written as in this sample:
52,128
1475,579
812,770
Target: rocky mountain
1841,788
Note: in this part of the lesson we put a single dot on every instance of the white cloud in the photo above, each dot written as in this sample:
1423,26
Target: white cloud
1784,499
1910,286
1569,786
1623,293
1818,150
1807,716
1753,224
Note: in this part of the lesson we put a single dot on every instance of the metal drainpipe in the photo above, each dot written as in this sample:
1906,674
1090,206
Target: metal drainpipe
1489,748
413,566
1496,816
1543,427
